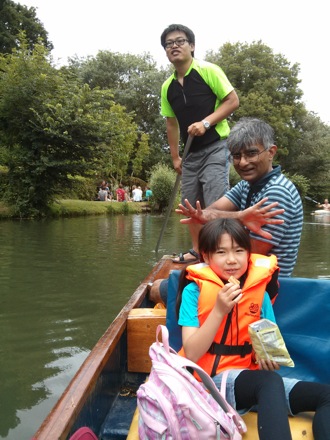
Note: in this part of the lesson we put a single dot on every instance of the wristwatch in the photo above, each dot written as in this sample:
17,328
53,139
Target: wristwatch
206,124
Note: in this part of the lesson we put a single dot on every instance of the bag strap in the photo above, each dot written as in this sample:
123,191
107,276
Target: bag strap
223,339
165,338
224,382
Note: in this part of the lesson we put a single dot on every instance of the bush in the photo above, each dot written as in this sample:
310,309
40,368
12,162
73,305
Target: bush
78,208
234,177
302,183
80,188
162,181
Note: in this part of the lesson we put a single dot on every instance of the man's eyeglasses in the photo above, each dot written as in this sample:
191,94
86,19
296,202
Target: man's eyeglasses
249,156
177,42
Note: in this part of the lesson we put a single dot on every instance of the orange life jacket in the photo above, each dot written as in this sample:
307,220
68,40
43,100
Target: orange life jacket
235,351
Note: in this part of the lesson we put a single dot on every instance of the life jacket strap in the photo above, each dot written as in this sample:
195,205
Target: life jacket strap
230,350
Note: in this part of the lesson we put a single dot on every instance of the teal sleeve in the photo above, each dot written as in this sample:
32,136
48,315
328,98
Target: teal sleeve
188,314
267,311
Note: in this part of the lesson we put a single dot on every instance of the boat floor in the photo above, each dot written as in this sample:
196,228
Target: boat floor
117,424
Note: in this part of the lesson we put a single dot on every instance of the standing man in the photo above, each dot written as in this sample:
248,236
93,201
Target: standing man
196,100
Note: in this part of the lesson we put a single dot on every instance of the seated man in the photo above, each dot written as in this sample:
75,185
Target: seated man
251,143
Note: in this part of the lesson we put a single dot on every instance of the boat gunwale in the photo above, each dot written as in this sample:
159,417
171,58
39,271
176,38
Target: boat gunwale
63,415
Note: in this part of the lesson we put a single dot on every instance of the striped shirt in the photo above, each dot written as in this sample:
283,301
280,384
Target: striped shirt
286,237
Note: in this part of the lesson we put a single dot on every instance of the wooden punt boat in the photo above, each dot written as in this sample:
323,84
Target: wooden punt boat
102,396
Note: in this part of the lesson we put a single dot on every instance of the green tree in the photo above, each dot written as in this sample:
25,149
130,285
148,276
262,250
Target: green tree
142,152
267,85
15,18
135,83
310,155
53,128
268,88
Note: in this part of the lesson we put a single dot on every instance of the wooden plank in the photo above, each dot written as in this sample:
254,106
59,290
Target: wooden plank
141,333
133,433
301,427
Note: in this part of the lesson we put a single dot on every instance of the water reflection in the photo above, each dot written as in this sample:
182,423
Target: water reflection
63,281
314,252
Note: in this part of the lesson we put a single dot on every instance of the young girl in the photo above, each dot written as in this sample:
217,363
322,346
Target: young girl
215,314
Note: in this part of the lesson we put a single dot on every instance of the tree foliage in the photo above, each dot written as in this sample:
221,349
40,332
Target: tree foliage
100,116
268,88
54,127
16,18
310,155
135,83
267,85
142,152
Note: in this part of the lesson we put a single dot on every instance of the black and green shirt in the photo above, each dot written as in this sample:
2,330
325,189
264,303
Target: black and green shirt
205,86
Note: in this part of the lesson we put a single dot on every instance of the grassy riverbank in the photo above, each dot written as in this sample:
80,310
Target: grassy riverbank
77,208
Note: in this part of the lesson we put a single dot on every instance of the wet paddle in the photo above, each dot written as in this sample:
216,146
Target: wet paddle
309,198
174,191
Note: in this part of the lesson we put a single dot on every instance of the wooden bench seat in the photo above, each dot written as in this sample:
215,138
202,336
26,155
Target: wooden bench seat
301,427
141,333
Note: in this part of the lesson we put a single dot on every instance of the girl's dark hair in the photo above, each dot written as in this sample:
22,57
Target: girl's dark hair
212,232
208,242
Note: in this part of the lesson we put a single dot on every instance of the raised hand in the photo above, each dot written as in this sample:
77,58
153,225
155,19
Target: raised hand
195,215
253,217
259,215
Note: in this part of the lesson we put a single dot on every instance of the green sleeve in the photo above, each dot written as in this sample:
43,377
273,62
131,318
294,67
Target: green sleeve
166,109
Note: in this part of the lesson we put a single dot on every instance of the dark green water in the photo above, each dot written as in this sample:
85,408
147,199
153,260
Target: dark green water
63,281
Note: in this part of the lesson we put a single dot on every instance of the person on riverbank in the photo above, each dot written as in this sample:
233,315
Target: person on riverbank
137,194
215,314
251,143
120,193
196,100
148,193
104,193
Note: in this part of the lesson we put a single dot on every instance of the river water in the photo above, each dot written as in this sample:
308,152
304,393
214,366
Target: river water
63,281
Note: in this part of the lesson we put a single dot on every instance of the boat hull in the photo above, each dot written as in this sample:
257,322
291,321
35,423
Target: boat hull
102,393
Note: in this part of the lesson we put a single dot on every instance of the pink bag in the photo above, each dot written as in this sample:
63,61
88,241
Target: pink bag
174,405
